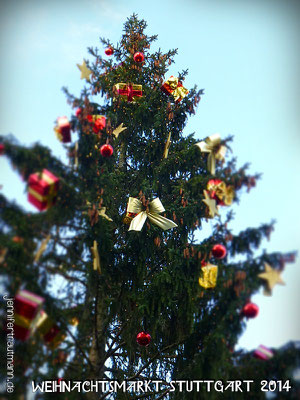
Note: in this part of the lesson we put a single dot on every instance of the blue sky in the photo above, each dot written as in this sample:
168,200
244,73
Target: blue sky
245,56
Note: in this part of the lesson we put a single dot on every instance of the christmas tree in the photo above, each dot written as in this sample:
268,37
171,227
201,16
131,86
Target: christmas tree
109,279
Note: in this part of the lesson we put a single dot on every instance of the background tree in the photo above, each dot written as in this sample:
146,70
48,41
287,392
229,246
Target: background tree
148,279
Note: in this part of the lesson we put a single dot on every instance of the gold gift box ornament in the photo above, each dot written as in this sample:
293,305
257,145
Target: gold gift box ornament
174,87
128,91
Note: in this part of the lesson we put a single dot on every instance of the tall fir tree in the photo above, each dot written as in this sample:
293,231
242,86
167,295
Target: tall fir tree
148,275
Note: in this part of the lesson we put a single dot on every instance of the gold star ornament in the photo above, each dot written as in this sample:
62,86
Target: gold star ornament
211,204
85,71
272,277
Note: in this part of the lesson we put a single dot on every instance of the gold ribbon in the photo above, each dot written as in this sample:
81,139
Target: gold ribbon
96,261
208,280
42,248
167,146
216,151
152,212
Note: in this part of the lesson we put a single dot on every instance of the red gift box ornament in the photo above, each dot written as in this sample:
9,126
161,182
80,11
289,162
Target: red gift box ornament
263,353
50,332
63,130
129,91
2,148
42,189
175,88
27,306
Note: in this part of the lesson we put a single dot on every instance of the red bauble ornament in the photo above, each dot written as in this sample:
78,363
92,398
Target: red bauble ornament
143,338
250,310
109,51
78,112
138,57
219,251
2,147
106,150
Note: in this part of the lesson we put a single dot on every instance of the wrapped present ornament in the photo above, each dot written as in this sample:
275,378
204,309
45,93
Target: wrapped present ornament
42,191
28,304
152,212
50,332
175,88
63,130
216,151
98,121
218,191
263,353
128,91
23,327
208,278
128,216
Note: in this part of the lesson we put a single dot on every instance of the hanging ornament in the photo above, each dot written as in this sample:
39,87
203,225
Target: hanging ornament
106,150
2,148
96,258
167,146
27,307
152,212
51,333
218,191
109,51
128,91
211,204
42,189
216,151
98,122
85,71
3,253
138,57
218,251
174,88
271,277
78,112
41,249
116,132
208,278
63,130
250,310
263,353
143,338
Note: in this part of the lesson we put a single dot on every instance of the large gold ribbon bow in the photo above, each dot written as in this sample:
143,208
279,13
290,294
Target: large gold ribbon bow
152,212
216,151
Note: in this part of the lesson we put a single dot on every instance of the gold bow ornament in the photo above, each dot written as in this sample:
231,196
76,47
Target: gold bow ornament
208,278
216,151
218,191
152,212
175,88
